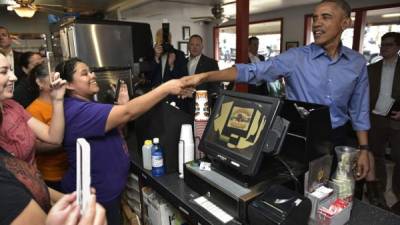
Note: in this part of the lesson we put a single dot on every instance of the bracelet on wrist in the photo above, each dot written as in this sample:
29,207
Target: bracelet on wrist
363,147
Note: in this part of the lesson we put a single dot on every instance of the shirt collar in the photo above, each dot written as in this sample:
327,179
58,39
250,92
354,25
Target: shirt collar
392,63
318,51
11,53
194,58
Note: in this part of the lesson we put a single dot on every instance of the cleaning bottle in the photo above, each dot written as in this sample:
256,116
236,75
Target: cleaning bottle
157,159
146,154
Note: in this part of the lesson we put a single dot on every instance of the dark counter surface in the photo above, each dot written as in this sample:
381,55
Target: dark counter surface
175,191
363,213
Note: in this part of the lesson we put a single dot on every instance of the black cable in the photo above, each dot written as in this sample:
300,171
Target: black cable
291,173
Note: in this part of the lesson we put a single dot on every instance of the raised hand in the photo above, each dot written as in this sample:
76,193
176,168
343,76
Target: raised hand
57,86
123,96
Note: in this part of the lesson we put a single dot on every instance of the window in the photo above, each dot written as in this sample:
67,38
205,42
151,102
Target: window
269,34
378,22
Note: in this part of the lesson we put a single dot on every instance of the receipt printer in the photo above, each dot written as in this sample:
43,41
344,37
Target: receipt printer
279,205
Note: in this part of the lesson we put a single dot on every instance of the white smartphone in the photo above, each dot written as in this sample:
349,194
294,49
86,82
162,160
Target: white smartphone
50,65
83,178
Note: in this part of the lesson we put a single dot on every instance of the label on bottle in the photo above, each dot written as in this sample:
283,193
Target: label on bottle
157,161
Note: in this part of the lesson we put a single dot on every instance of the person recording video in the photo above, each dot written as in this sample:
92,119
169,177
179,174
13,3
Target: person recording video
169,63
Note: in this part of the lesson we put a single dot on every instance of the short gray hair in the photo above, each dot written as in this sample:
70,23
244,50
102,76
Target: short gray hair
341,4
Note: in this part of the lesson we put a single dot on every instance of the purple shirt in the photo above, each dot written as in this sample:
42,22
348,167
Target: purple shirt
109,152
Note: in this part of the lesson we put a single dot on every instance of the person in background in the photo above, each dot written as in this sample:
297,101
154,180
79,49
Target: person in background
20,130
51,159
99,124
169,63
25,91
324,72
259,88
28,61
199,63
5,46
384,79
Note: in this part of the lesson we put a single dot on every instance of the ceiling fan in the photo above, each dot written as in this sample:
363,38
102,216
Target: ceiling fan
217,12
27,8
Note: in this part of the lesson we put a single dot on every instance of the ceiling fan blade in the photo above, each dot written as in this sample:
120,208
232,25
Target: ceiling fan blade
201,17
46,9
51,5
228,3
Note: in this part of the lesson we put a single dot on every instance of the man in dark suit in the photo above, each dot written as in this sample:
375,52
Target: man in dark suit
199,63
169,63
384,83
259,89
5,47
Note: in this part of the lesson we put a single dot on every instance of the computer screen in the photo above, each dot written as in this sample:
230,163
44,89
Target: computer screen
237,131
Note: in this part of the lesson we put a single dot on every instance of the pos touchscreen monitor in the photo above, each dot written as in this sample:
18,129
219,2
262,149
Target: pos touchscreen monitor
240,129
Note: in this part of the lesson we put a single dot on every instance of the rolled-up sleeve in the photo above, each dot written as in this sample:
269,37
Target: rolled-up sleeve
359,103
269,70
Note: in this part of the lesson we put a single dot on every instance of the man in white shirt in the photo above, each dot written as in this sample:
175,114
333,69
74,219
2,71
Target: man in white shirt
384,80
199,63
5,47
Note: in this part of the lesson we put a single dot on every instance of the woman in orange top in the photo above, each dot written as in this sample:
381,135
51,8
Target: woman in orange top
51,159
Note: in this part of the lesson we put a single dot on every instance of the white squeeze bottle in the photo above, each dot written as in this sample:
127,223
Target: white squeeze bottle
146,154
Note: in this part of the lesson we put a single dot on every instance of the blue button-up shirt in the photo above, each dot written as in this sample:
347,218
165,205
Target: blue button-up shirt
312,76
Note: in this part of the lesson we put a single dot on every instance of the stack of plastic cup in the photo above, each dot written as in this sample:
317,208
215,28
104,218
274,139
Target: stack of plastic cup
186,147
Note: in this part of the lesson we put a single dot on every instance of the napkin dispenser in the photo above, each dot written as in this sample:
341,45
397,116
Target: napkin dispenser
279,205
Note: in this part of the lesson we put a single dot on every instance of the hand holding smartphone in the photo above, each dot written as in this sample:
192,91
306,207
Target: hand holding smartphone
118,89
83,178
121,93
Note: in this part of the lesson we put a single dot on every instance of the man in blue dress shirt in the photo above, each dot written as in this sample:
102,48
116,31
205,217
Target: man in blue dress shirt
324,72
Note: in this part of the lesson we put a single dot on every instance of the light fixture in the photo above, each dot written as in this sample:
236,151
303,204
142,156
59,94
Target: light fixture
25,11
390,15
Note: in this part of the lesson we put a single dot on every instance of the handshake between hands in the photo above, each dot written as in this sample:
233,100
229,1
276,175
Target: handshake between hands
183,87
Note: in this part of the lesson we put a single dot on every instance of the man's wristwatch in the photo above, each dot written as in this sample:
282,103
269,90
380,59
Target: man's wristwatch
363,147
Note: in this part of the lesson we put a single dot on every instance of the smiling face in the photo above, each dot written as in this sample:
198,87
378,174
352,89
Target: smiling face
83,82
7,79
329,21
